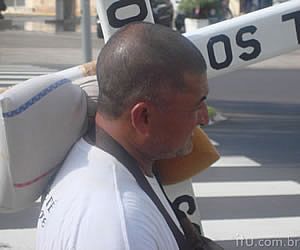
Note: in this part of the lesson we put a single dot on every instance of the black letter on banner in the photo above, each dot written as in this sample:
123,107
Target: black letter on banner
189,200
211,54
249,43
294,15
118,23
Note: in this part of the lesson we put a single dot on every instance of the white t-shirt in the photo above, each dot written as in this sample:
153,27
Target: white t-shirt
95,203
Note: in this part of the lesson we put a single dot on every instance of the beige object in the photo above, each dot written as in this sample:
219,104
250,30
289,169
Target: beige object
234,6
179,169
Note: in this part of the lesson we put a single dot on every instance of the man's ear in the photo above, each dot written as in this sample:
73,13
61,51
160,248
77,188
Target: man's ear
140,117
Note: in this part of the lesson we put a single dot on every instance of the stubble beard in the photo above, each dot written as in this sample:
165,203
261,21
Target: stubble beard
186,149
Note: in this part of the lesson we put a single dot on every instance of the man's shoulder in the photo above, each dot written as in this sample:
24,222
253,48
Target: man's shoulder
89,164
95,193
91,175
85,197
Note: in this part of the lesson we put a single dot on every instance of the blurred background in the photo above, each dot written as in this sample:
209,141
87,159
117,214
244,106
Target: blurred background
64,15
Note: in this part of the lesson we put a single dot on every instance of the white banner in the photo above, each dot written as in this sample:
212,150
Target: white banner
227,45
248,39
113,14
182,196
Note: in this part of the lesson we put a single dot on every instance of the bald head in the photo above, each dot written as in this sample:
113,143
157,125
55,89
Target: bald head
139,62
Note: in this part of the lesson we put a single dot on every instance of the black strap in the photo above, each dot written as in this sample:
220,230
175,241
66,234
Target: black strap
179,214
108,144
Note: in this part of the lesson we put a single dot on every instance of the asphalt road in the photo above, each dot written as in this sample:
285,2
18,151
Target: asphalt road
57,51
262,104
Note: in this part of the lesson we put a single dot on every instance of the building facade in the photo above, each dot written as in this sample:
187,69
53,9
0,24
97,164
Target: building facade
67,9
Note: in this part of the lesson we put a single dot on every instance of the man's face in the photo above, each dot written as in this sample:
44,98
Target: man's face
174,123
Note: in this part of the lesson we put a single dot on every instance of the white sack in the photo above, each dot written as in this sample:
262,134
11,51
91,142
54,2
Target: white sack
40,121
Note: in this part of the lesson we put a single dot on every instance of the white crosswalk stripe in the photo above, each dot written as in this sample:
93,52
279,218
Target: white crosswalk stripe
18,239
272,226
249,188
214,143
235,161
287,227
14,74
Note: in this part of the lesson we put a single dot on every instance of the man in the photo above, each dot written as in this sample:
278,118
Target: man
153,86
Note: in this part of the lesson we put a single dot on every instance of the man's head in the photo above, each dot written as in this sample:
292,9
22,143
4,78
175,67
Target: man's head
154,79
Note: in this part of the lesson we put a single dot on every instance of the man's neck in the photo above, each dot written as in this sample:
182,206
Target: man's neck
123,136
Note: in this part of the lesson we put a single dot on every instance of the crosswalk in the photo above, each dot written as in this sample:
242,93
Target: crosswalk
15,74
235,207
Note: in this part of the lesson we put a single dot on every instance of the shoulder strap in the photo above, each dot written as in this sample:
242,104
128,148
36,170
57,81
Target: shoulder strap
109,145
144,184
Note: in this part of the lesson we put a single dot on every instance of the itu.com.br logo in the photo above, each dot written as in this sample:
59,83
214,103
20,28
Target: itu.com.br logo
267,243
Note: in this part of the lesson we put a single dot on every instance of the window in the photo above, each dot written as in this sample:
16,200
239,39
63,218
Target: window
15,3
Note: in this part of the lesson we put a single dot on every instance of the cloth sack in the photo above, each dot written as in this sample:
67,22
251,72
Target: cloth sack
40,121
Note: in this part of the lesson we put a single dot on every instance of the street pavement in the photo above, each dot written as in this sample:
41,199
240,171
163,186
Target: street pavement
250,197
57,51
252,194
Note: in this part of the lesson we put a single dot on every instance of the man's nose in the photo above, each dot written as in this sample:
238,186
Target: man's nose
203,118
